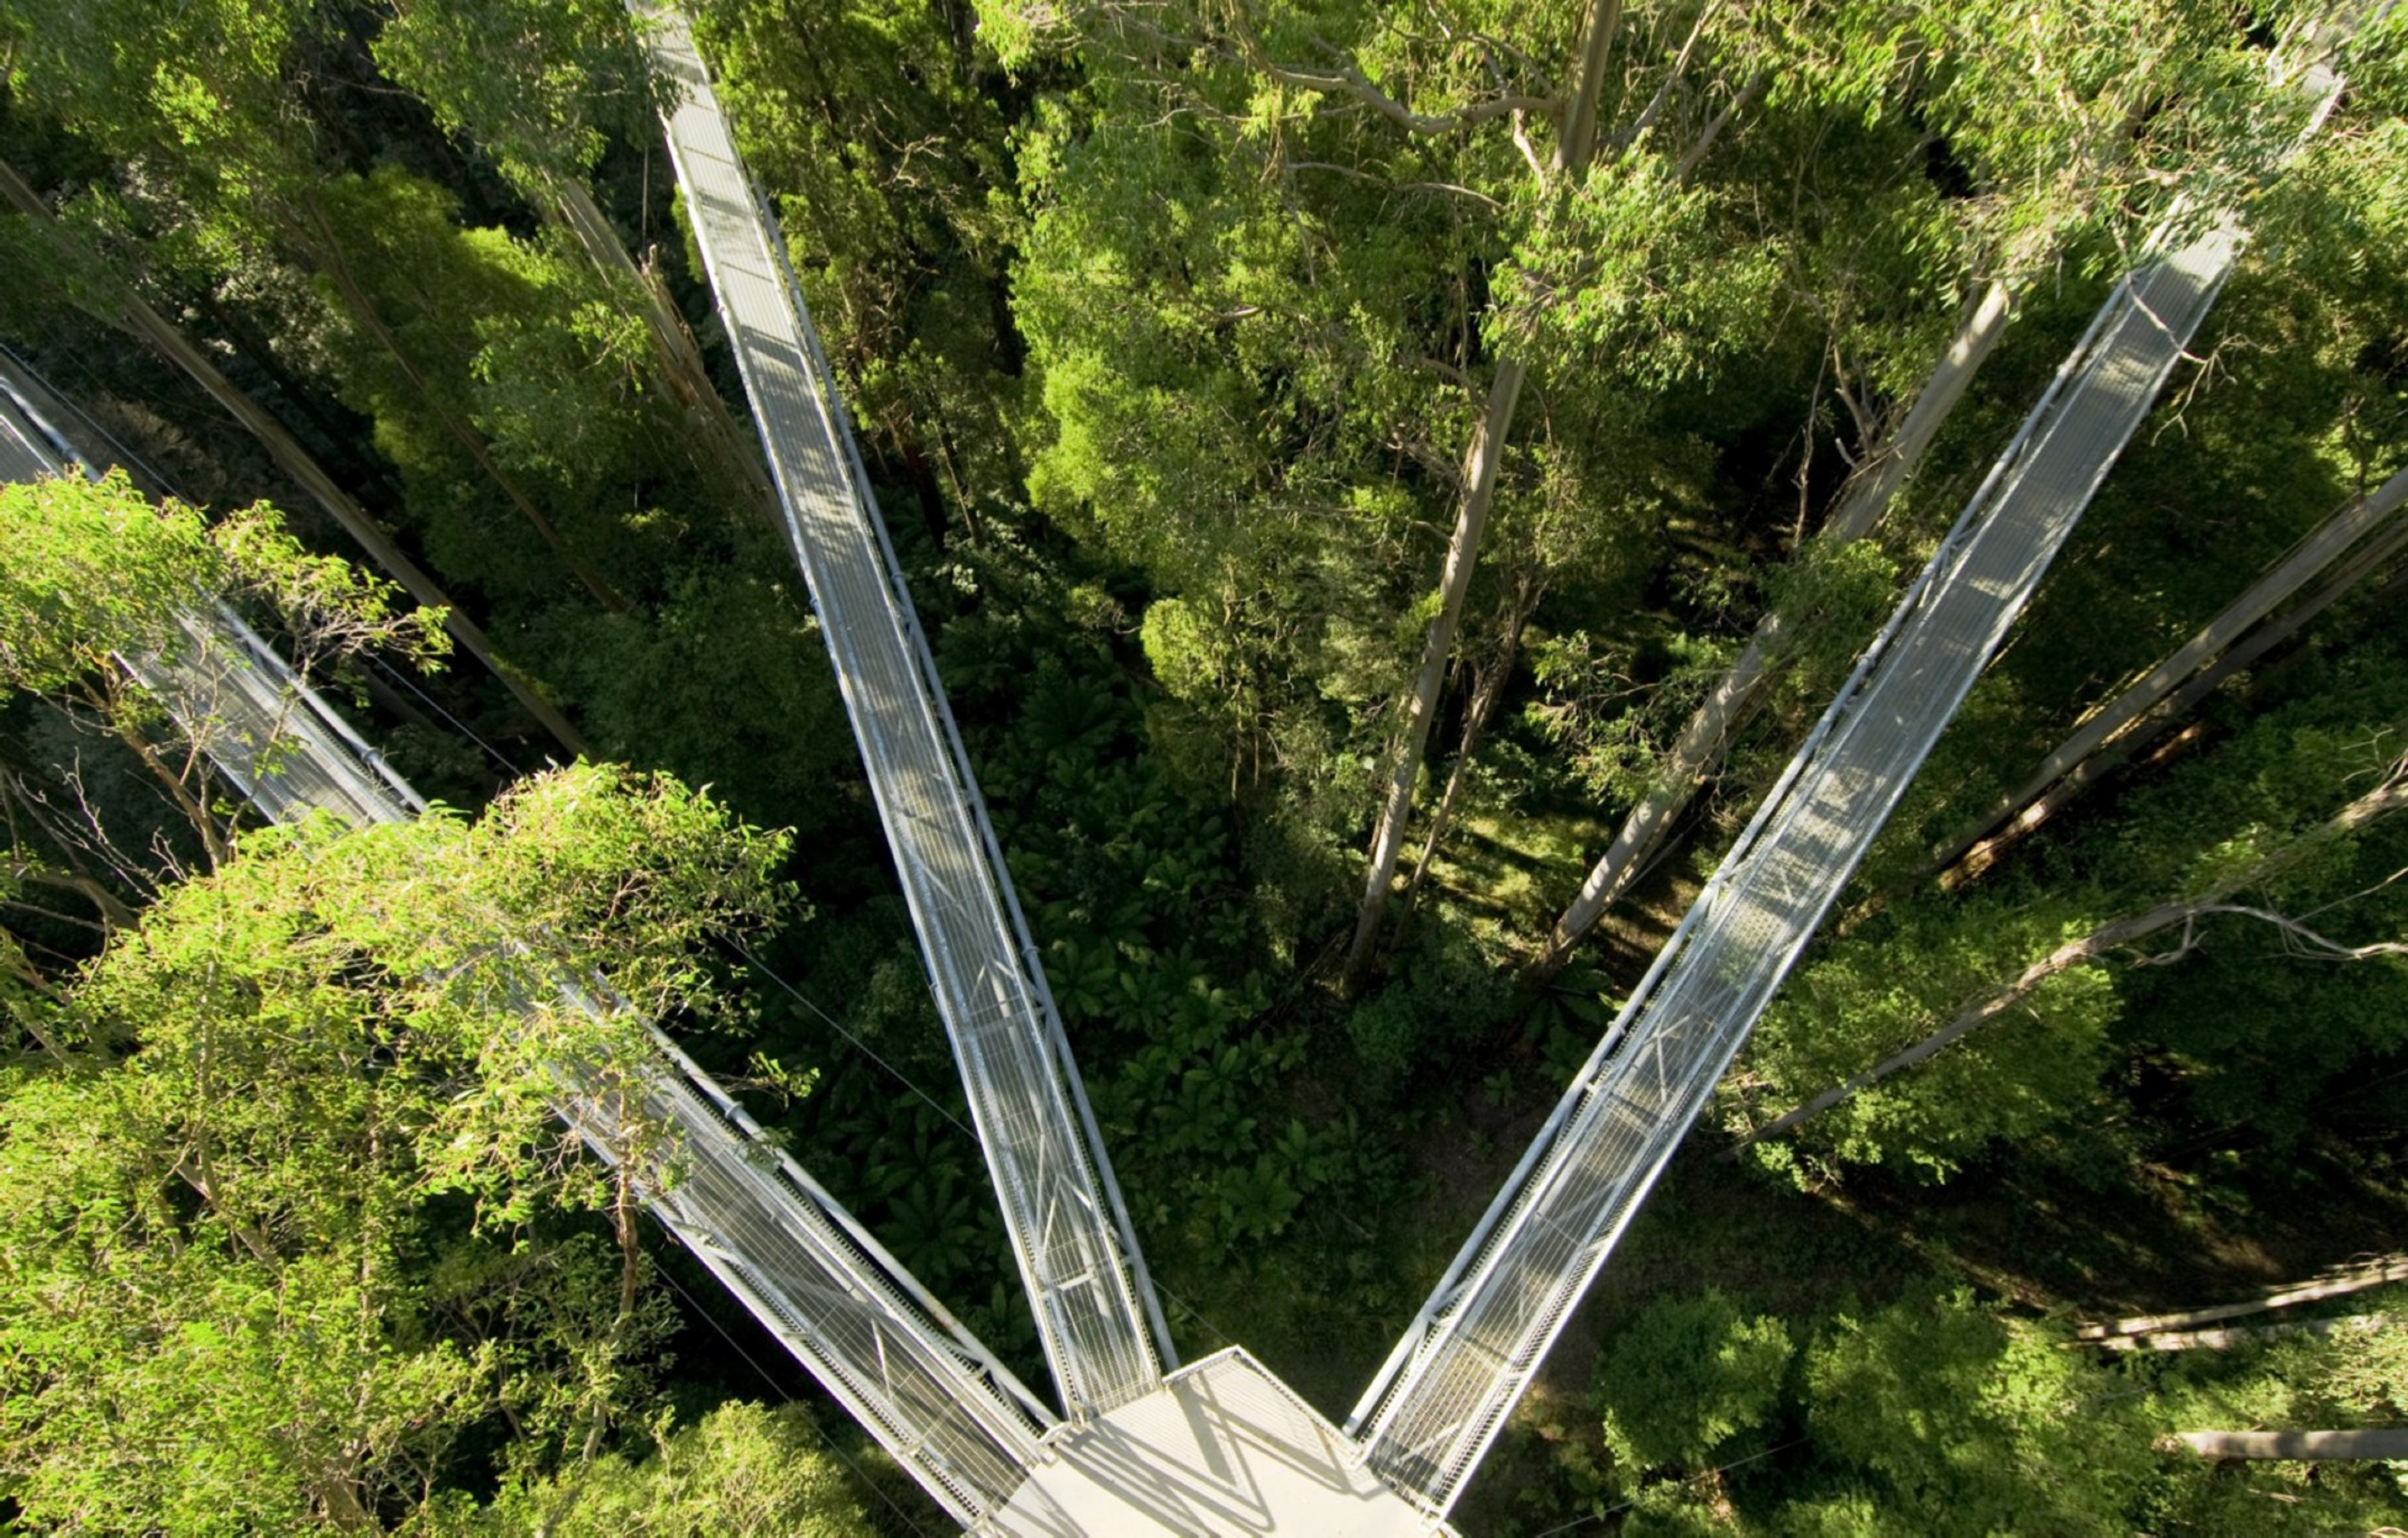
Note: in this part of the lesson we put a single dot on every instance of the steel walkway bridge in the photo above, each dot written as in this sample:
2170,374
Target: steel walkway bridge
1444,1393
1442,1396
932,1395
1097,1315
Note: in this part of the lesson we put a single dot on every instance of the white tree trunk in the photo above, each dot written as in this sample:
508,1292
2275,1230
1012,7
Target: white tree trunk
2225,1340
1421,705
2242,655
2336,1284
2386,798
2304,1447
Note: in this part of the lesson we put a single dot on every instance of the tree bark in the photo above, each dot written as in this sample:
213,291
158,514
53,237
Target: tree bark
2387,797
2112,757
2225,1340
1699,752
1488,690
2338,1283
2303,1447
1421,704
1578,144
145,322
2318,552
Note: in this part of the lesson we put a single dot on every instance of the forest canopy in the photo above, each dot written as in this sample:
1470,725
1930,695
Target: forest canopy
1387,491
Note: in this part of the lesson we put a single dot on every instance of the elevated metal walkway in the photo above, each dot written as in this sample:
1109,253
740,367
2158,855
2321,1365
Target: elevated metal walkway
1096,1314
933,1396
1470,1355
1444,1392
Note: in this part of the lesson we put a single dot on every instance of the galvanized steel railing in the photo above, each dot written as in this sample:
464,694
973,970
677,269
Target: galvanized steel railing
1096,1314
931,1394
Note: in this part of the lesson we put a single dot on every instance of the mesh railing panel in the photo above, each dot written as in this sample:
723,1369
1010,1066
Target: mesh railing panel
1096,1311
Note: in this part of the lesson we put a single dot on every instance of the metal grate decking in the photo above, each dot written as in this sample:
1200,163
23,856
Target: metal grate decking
1096,1311
931,1394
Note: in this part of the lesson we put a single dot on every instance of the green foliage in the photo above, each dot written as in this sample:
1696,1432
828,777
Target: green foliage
1833,600
537,84
1638,272
193,92
1585,703
435,327
1967,1422
243,1290
1867,995
741,1469
1173,339
94,569
885,132
1687,1377
1441,1001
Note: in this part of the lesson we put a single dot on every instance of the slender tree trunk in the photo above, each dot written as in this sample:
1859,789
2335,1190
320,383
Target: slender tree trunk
2015,814
2390,797
1578,145
720,448
2340,1283
631,1276
1697,752
1573,150
138,317
2301,1446
2222,1339
1488,690
110,706
1421,704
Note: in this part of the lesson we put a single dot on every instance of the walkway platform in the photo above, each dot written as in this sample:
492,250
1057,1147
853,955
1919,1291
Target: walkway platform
1221,1448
